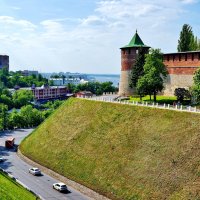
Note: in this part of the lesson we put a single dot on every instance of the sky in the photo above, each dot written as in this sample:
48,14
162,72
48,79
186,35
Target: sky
85,35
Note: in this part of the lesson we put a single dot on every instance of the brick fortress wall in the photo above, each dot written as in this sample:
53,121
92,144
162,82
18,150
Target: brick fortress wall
128,57
181,68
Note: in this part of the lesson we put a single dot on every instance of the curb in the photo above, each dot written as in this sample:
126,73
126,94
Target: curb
77,186
22,184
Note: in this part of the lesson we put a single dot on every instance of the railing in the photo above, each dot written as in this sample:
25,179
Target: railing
177,107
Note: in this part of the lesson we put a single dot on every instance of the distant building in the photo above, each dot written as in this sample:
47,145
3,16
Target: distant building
65,81
49,93
84,94
29,73
4,61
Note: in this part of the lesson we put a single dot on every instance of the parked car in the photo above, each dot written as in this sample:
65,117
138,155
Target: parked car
2,159
61,187
35,171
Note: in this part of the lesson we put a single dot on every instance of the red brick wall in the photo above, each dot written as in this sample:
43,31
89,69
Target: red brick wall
128,57
182,70
182,63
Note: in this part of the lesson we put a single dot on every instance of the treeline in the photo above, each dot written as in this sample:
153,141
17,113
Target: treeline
16,99
94,87
188,41
12,79
27,116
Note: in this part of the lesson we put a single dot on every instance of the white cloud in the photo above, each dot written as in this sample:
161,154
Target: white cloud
91,44
189,1
9,21
93,20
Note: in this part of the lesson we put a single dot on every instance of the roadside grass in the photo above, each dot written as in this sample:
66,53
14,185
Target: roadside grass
160,99
10,190
122,151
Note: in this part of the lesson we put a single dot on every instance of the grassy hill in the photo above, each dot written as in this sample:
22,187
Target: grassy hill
10,190
124,152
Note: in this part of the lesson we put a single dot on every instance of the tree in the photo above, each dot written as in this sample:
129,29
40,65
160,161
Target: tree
4,76
154,74
22,97
31,116
6,100
196,86
181,93
187,40
3,116
36,117
7,93
138,68
40,77
16,120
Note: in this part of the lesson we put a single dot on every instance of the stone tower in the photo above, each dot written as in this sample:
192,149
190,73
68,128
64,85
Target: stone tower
128,56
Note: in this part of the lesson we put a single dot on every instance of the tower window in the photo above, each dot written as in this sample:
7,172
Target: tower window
179,57
185,57
129,51
192,56
199,56
173,57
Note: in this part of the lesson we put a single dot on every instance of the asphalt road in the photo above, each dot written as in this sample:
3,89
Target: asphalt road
42,185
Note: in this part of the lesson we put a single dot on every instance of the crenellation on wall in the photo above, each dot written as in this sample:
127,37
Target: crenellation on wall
181,67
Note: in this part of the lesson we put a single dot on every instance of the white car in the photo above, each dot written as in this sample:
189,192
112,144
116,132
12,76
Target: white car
60,187
2,159
35,171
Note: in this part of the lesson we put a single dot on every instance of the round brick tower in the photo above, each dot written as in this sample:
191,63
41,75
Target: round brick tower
128,57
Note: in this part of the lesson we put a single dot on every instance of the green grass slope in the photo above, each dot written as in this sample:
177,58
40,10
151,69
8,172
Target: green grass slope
10,190
124,152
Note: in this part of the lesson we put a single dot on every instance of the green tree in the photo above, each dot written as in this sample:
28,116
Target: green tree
196,87
3,116
4,76
36,117
7,93
181,93
31,116
16,120
154,74
187,40
138,68
186,37
22,97
26,113
6,100
40,78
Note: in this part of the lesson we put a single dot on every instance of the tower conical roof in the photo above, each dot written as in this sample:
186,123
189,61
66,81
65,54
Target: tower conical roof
136,41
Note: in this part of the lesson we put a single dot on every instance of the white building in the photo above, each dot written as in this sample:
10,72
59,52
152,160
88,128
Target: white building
65,81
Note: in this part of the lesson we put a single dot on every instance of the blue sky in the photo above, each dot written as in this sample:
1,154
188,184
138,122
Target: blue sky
85,35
